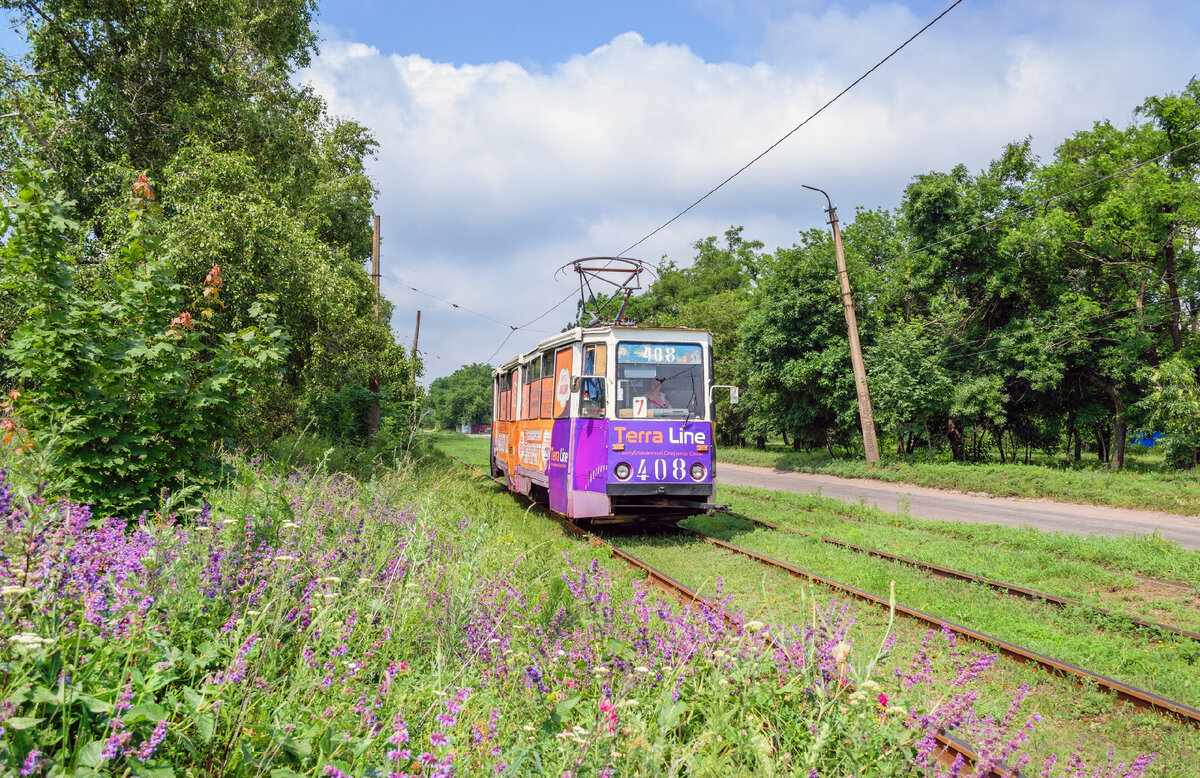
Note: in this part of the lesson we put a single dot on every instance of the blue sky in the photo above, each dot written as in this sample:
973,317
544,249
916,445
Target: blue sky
528,32
517,136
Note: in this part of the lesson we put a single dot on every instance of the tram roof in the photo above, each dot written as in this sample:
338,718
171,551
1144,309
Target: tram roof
580,333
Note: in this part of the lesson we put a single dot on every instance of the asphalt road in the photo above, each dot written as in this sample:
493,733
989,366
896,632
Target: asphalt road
922,502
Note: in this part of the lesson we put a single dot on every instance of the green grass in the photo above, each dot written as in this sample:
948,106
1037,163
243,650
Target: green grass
1107,557
1138,487
472,450
1081,568
1017,557
1076,635
1086,719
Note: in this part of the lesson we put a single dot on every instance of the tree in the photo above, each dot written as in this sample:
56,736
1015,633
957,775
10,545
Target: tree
794,347
251,174
132,389
463,397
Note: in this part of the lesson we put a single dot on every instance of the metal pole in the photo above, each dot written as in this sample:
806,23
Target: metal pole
866,417
416,337
373,412
375,263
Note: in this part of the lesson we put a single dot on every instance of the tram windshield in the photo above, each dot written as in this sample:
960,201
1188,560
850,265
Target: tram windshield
660,381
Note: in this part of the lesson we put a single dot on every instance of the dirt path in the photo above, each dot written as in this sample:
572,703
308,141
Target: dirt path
925,503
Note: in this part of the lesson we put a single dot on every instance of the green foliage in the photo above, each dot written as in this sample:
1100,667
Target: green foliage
141,391
794,348
463,397
1174,408
252,175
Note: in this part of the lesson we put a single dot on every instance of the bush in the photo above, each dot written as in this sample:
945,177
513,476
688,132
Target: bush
140,390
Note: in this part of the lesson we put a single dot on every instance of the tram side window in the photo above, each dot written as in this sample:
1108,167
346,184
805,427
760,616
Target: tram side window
511,397
504,397
534,372
524,392
591,398
547,385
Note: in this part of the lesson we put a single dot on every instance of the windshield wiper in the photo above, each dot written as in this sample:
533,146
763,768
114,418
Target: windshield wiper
691,403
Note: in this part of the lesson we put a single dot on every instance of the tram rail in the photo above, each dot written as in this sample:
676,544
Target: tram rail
949,750
1126,693
941,571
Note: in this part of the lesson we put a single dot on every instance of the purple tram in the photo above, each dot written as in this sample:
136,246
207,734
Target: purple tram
609,423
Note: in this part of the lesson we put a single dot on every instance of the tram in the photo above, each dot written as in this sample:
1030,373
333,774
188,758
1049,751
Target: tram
609,423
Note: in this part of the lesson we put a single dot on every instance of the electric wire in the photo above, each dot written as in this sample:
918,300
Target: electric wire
1012,215
770,148
459,306
792,131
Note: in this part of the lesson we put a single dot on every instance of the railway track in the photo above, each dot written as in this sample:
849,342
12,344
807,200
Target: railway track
1183,588
1006,587
1124,692
950,750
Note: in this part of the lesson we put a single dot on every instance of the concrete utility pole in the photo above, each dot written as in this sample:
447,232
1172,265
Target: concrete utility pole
416,337
375,264
373,412
866,417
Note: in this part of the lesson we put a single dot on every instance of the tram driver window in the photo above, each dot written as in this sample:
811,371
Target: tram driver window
660,380
591,384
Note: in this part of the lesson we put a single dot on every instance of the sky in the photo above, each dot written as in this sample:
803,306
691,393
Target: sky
517,136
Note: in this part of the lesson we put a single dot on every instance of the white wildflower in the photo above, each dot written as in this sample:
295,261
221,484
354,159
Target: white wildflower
331,579
364,580
28,639
641,669
285,558
227,522
754,627
11,590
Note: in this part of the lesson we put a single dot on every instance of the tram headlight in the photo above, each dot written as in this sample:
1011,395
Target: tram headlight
622,471
697,471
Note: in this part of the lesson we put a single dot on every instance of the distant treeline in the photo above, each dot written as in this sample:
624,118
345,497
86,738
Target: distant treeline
1032,306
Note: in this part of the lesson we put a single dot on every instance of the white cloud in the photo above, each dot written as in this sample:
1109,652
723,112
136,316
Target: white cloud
492,176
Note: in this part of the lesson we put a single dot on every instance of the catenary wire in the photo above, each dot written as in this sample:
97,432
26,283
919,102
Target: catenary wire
1022,212
459,306
743,168
792,131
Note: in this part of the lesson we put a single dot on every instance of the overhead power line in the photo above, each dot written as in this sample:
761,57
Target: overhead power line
792,131
459,306
743,168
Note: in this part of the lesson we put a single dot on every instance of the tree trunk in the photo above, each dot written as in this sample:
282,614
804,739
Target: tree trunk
785,438
900,441
955,434
1116,452
999,436
760,442
928,440
795,442
1169,275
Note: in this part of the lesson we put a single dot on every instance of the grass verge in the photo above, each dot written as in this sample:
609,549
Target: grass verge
1166,491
